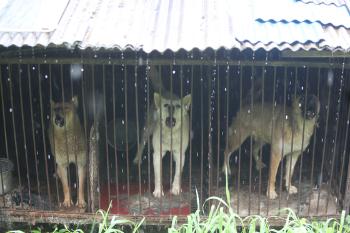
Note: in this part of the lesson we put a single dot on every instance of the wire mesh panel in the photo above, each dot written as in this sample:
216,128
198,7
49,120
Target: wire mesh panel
147,135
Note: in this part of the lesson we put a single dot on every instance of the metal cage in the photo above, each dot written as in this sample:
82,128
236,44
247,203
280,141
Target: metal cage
115,95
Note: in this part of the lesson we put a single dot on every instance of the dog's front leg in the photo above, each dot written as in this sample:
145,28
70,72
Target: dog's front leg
179,163
62,174
81,173
291,161
276,156
157,166
257,147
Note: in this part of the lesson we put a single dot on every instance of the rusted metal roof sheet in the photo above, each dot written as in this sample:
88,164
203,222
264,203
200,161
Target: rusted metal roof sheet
160,25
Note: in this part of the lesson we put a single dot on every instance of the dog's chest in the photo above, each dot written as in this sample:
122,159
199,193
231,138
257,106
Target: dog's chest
68,146
171,140
298,141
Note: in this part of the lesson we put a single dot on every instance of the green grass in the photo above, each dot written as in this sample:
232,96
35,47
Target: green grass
221,219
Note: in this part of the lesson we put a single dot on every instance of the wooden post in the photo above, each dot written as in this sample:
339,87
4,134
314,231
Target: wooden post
94,168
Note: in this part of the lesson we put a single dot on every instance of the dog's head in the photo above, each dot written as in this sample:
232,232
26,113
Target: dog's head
171,110
62,113
310,106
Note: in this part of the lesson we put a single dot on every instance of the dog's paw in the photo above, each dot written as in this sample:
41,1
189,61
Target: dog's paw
67,203
175,190
226,168
259,165
292,189
272,194
158,193
135,161
81,204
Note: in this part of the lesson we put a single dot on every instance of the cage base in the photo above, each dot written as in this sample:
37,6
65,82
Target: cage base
137,200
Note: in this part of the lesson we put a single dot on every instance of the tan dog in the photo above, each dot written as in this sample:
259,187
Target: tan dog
168,120
171,134
286,125
68,145
170,128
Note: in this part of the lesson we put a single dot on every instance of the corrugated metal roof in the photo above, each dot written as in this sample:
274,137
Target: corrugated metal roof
161,24
327,2
43,16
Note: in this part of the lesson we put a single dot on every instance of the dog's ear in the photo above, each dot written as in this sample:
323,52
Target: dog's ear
157,100
75,101
187,101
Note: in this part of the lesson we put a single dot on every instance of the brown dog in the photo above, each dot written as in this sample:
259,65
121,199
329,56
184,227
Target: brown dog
275,126
68,145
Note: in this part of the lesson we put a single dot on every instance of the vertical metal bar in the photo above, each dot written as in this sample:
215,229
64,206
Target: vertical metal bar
5,132
52,147
148,118
12,110
33,129
76,185
336,133
96,132
106,129
210,151
160,143
314,143
126,131
202,133
227,89
324,144
251,140
292,140
272,127
239,137
3,114
24,132
303,136
190,160
83,89
218,131
171,130
181,131
65,128
115,138
283,139
43,134
261,143
344,152
346,206
137,127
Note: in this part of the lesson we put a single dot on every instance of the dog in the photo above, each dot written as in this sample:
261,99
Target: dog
169,125
68,145
276,126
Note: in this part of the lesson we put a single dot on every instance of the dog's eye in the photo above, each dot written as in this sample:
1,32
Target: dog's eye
178,106
166,105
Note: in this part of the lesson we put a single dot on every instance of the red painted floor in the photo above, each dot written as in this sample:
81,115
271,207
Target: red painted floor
141,202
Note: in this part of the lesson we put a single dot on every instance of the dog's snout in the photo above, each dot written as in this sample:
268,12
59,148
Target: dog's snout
170,122
59,121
